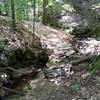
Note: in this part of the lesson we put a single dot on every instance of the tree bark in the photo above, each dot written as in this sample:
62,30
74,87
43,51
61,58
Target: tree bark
13,15
34,15
83,59
45,11
0,10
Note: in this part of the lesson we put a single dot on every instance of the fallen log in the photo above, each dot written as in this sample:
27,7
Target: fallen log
83,59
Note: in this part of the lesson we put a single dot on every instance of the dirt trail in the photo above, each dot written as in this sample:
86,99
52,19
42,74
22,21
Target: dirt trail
56,40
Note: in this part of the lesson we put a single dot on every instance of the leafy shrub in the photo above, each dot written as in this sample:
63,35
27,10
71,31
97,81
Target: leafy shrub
2,43
95,65
54,12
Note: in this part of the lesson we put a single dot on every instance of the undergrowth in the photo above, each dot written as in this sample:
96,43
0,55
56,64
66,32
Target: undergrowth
95,65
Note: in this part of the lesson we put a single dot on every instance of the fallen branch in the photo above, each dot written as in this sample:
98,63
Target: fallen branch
83,59
3,87
16,70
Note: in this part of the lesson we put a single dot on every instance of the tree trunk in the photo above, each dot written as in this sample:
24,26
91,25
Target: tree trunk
34,15
0,10
45,3
13,15
83,59
27,11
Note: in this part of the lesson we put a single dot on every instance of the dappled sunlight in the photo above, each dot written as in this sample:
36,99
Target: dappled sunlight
68,7
89,46
96,6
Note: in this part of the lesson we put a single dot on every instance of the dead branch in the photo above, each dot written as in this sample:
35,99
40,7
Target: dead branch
3,87
22,72
83,59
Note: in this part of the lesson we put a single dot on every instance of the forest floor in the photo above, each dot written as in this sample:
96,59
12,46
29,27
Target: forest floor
63,80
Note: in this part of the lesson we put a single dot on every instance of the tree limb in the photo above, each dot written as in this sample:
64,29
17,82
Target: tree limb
83,59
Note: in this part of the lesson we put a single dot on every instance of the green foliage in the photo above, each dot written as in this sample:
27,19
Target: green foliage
68,1
95,30
5,7
54,12
2,43
68,7
54,8
22,9
39,3
75,87
2,7
98,38
95,65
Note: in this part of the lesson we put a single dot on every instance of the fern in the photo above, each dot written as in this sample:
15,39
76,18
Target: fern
95,65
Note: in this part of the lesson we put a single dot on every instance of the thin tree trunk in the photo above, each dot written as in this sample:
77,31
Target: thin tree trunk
45,12
34,15
13,15
0,10
27,10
